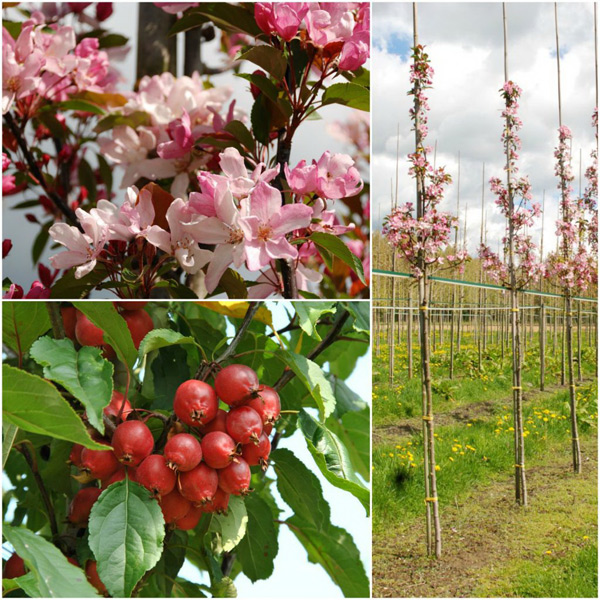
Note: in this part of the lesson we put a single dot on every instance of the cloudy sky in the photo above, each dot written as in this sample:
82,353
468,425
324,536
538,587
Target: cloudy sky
465,44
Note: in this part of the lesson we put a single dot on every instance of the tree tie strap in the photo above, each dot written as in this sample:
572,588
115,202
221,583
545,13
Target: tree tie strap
514,310
434,499
517,387
519,466
423,307
427,417
572,385
575,439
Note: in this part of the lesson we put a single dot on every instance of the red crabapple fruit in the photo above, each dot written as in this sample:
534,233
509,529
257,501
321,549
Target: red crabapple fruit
191,519
236,384
13,567
218,504
174,506
267,405
235,479
132,442
139,323
199,485
219,449
91,571
195,403
155,476
81,505
100,464
183,452
112,410
244,425
258,454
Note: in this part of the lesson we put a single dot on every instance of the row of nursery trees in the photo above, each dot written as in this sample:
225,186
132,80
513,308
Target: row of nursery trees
421,237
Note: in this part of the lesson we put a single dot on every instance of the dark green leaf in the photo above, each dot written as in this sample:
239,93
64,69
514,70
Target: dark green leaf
67,287
346,398
264,84
161,338
106,174
312,376
233,284
126,532
334,245
55,576
268,58
241,133
188,21
39,244
229,17
13,27
28,583
168,370
22,323
261,120
331,547
361,313
87,179
361,76
332,458
33,404
113,40
57,129
84,373
259,547
116,332
348,94
162,583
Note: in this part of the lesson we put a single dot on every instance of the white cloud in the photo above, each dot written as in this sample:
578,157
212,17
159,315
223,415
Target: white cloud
465,43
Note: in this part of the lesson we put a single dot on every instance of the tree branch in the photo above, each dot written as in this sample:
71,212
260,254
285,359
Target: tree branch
56,320
205,370
332,336
59,202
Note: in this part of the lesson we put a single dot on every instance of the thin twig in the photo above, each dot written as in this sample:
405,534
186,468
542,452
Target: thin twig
206,369
332,336
56,320
59,202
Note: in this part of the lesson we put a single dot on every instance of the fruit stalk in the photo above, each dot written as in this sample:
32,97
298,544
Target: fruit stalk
56,319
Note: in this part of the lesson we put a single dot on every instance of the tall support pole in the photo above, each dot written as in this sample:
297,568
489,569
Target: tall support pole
520,481
409,336
568,325
542,346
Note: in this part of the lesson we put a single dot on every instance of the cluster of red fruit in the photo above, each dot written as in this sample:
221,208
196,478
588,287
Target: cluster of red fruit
197,471
79,328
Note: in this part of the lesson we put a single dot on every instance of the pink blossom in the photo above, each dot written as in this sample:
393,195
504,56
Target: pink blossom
355,52
182,140
175,7
302,179
327,221
280,18
83,249
241,183
223,229
337,177
178,242
266,223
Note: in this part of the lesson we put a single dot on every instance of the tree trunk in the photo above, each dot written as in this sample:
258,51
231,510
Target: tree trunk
542,346
572,390
157,52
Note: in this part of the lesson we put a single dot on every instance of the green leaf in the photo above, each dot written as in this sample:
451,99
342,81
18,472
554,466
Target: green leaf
55,576
28,583
9,433
268,58
33,404
39,244
261,120
162,581
233,284
331,547
106,174
312,376
126,532
227,530
116,333
67,287
161,338
332,458
348,94
84,373
334,245
224,588
230,17
346,398
354,431
13,27
309,313
112,40
241,133
259,547
188,21
22,324
87,178
361,76
361,313
166,373
264,84
80,105
135,119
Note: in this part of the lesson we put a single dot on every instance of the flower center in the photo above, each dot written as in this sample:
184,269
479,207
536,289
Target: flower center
264,232
13,84
235,236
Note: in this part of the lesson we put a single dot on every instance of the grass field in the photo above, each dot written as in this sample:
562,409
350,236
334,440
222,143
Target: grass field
491,547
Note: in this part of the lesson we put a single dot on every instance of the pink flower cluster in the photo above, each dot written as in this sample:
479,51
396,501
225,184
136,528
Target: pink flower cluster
515,204
179,111
41,64
238,212
574,267
336,27
423,239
